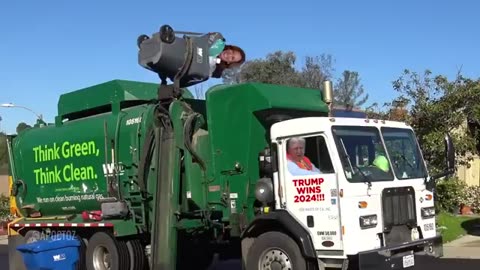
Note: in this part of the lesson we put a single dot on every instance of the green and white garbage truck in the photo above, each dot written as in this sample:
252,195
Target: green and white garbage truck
148,177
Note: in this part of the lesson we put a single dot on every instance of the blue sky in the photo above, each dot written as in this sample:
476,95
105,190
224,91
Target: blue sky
51,47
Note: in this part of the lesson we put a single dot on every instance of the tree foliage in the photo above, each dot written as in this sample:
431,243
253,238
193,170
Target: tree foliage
22,126
3,149
435,106
3,153
316,70
349,90
279,68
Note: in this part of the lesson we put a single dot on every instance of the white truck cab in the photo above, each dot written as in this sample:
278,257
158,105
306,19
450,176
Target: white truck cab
346,191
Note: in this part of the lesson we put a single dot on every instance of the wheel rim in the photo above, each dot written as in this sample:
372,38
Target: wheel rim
274,259
101,258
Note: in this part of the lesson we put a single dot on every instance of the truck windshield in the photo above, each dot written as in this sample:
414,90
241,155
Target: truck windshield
362,153
404,153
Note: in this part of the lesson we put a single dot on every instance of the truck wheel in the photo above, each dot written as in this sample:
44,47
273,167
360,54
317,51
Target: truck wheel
105,252
138,260
275,250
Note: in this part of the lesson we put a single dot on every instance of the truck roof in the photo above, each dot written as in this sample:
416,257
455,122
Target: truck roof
105,95
270,95
304,125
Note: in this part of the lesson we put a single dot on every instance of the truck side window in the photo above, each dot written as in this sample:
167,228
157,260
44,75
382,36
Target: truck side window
308,155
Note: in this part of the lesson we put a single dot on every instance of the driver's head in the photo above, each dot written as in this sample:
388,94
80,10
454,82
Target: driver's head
232,56
381,162
296,148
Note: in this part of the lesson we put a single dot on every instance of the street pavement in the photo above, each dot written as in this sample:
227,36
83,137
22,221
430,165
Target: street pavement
463,259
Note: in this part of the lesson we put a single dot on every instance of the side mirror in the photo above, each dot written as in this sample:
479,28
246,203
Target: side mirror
449,158
450,154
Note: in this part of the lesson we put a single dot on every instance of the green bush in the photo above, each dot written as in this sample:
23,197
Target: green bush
452,193
449,195
471,197
4,208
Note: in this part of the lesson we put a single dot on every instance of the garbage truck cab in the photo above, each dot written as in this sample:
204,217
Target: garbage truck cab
344,191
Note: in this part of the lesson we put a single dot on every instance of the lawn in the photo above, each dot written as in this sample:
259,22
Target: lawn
455,226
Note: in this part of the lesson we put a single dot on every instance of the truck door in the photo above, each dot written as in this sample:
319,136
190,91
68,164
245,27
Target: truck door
311,188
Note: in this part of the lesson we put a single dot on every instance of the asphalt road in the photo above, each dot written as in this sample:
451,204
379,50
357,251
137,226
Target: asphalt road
437,264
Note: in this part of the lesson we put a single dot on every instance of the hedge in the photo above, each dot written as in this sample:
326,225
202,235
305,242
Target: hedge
452,193
4,208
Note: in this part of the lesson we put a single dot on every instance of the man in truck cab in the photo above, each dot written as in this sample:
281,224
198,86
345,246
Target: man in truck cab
298,163
381,162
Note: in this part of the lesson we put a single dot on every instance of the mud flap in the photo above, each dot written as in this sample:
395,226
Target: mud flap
405,256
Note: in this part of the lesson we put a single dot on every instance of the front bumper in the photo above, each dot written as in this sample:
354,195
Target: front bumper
395,257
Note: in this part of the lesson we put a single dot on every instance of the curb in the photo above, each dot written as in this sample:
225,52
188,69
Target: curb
461,253
464,240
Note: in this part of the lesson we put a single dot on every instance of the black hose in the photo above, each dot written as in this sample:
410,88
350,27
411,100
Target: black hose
187,136
15,188
147,153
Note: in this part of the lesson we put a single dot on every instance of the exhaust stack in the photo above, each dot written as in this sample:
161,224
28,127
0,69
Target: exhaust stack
328,95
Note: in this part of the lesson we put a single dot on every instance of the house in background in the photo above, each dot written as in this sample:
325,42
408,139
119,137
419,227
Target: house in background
470,173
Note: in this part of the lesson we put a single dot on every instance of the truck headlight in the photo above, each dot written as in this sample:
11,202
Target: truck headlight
369,221
428,212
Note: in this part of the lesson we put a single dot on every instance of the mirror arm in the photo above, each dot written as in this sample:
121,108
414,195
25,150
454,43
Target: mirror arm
443,174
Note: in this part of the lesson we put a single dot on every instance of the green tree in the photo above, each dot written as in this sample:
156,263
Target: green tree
316,70
348,90
3,149
3,153
22,126
437,106
279,68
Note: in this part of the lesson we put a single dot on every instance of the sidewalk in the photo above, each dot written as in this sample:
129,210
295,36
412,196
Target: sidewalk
3,240
466,247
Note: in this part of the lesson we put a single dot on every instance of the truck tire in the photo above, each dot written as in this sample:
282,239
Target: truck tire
138,260
275,248
105,252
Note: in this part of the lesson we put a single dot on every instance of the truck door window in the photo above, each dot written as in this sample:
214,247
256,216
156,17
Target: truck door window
308,155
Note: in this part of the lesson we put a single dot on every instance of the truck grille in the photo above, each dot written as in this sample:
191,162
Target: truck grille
399,215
